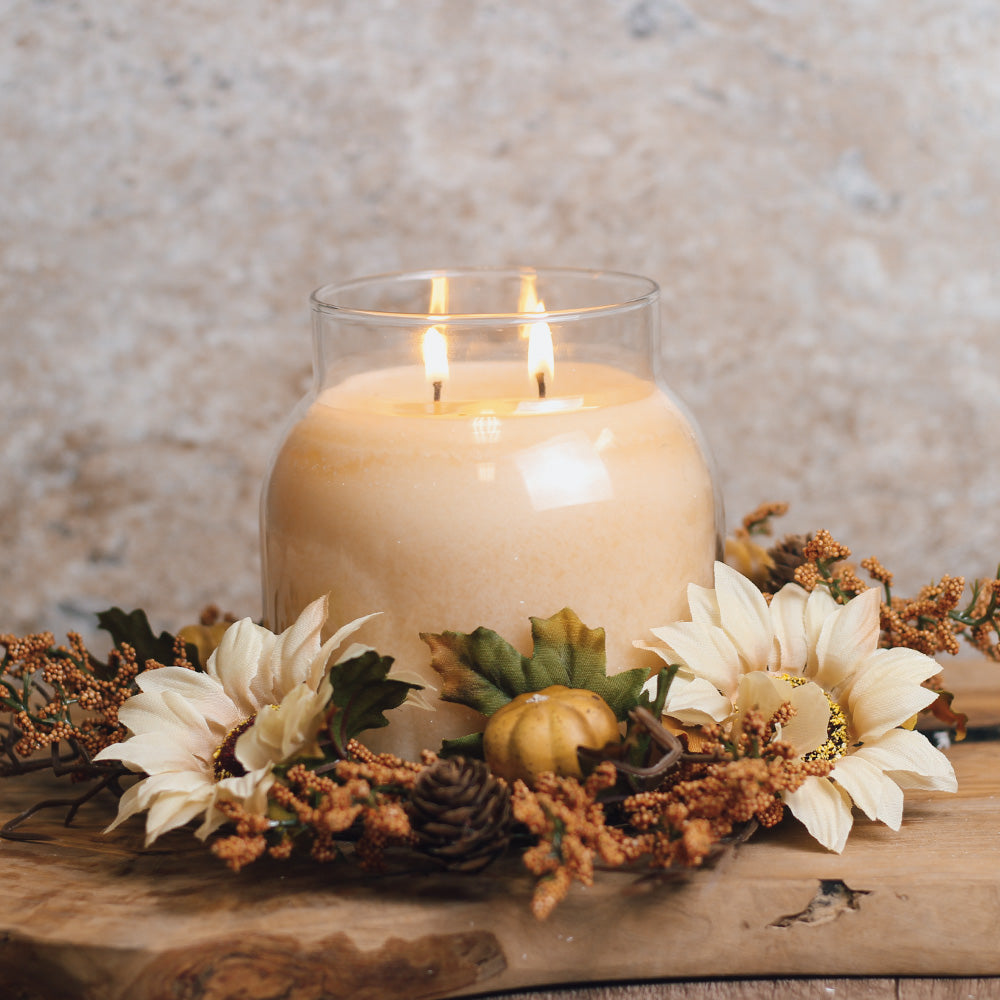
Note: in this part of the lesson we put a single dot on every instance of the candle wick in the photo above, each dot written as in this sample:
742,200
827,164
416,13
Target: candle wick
437,390
540,378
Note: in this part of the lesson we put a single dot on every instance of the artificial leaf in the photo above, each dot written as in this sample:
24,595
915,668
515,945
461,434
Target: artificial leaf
564,645
654,703
133,628
362,692
566,650
483,671
637,737
941,709
464,746
478,669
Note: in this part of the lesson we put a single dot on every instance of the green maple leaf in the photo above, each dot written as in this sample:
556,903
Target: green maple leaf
362,693
483,671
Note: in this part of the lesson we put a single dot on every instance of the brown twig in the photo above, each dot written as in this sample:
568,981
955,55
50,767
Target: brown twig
9,830
672,747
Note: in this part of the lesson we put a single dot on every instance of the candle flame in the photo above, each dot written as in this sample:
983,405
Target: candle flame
439,294
541,360
435,355
528,300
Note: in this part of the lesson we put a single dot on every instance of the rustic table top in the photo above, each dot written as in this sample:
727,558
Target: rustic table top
98,917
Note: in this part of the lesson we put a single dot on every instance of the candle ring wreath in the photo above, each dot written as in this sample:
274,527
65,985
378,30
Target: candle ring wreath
795,685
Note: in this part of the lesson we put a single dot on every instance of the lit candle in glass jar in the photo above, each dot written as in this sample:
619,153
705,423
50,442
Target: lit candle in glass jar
470,488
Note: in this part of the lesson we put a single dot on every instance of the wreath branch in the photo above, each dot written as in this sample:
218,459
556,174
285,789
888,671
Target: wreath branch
9,831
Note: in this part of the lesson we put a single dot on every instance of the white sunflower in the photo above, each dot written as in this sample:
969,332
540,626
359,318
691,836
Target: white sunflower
852,700
205,737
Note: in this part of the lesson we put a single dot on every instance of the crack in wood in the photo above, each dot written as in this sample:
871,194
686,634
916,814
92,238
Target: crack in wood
833,898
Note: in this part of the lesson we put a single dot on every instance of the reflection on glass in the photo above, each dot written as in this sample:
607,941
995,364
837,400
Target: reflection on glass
486,430
564,471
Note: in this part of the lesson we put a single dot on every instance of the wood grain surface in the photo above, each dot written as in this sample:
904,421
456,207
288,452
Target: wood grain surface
913,914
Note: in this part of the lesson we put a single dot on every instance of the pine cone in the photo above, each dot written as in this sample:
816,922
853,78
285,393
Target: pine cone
787,558
460,814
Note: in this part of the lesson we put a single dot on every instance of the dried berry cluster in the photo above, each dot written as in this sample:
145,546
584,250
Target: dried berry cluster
60,694
681,824
359,800
457,814
932,622
745,553
569,824
64,700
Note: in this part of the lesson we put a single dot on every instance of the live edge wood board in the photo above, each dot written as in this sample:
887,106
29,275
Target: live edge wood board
100,918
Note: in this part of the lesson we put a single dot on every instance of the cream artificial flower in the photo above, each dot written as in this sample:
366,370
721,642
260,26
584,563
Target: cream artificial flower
851,698
205,737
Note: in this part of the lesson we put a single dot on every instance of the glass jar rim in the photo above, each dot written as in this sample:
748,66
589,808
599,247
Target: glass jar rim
646,293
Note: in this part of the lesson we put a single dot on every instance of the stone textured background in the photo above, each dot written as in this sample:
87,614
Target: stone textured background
813,184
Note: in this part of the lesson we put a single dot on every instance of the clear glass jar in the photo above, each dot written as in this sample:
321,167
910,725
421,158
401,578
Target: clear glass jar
500,484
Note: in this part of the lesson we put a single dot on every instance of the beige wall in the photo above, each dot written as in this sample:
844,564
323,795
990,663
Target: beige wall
814,184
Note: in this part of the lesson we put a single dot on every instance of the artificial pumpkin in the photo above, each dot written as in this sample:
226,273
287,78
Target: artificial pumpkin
540,731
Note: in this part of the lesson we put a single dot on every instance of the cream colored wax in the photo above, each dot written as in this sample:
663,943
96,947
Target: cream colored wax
486,509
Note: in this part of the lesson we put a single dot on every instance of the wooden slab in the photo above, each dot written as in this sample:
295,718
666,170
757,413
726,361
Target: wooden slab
97,917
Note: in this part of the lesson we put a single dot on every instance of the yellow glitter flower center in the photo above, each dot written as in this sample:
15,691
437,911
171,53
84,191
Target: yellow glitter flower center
837,730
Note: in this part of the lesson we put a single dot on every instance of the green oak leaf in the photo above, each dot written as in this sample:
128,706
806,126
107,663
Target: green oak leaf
362,692
483,671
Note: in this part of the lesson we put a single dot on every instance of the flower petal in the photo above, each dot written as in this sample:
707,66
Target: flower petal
337,638
128,806
849,634
250,790
787,611
172,781
910,759
293,655
168,714
704,605
170,810
174,788
824,809
359,648
298,657
887,691
745,616
694,702
809,728
707,652
819,607
760,692
238,665
875,794
152,754
283,730
199,690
